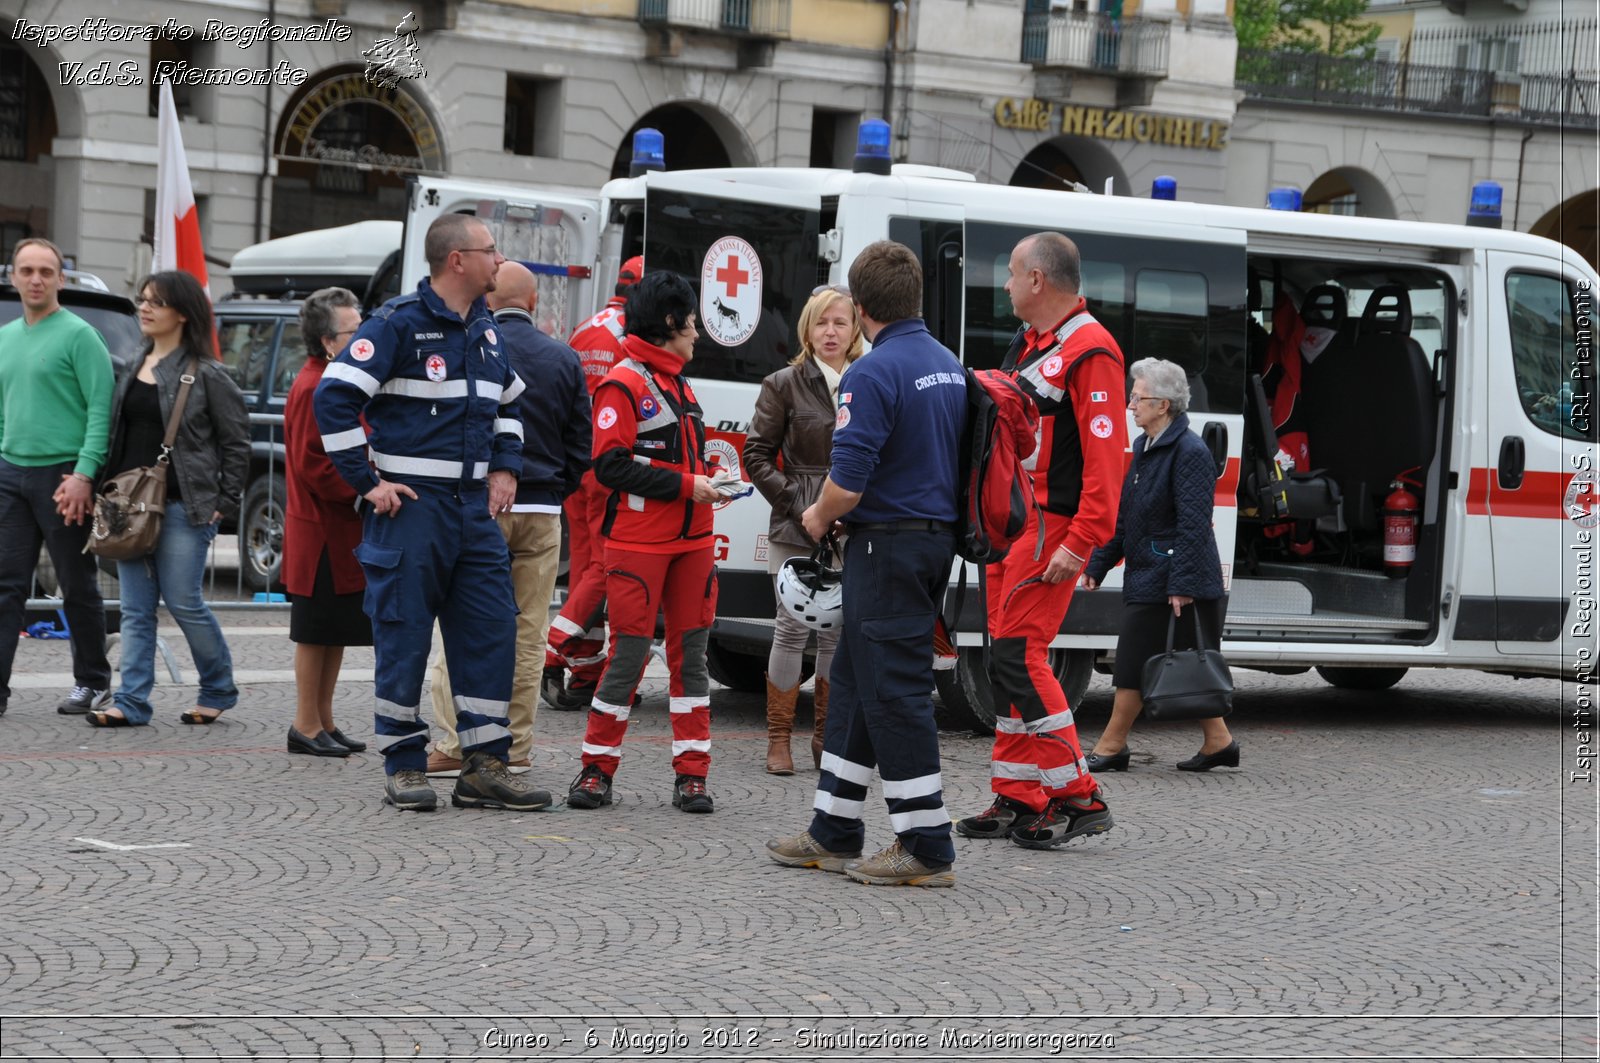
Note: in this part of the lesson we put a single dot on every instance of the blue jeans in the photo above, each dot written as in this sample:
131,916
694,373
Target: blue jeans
174,573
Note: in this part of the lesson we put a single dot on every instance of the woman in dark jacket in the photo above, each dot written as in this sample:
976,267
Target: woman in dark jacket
794,418
209,462
1164,534
321,530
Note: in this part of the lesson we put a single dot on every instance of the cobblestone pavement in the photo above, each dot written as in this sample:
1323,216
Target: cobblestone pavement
1399,875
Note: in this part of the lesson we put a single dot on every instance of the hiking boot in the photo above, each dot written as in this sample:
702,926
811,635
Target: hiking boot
83,700
996,821
896,867
487,782
442,764
689,793
803,851
409,791
591,789
1063,819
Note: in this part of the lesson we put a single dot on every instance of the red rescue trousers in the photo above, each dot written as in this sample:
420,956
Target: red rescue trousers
638,585
1036,751
577,638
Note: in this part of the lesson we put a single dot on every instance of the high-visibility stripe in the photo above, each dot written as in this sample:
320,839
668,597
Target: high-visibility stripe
482,736
849,771
426,390
593,750
687,704
691,745
1059,777
346,440
351,375
509,393
1005,769
495,710
837,806
395,711
619,711
508,426
565,626
900,822
431,467
380,742
904,789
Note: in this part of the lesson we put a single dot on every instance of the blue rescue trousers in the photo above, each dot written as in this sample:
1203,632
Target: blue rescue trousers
881,710
442,557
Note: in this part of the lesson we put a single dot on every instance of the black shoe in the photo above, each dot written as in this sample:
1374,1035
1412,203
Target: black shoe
1227,757
83,700
486,781
591,789
996,821
323,745
349,743
1108,762
1062,820
689,793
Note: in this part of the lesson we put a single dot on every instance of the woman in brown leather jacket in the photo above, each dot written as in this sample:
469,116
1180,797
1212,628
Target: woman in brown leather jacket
794,418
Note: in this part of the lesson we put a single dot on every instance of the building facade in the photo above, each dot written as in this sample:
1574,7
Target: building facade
285,130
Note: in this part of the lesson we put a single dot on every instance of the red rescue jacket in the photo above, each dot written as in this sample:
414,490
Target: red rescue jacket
598,342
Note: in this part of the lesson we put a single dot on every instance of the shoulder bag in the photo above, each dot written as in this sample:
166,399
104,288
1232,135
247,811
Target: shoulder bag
1187,684
129,506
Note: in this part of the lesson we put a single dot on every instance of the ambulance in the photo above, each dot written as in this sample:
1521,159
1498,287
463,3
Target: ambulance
1447,516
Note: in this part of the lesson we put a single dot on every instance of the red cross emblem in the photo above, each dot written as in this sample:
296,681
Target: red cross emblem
732,276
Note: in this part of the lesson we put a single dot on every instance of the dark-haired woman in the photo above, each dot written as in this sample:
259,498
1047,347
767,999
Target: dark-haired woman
321,530
649,453
205,479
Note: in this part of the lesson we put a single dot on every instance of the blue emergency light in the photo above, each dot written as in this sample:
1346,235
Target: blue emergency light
1164,187
1286,198
1484,211
872,147
649,152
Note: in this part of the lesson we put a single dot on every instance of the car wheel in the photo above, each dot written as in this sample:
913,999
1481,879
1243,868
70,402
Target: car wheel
261,533
967,698
1361,678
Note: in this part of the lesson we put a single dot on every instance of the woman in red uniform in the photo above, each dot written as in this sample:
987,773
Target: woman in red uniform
649,453
320,531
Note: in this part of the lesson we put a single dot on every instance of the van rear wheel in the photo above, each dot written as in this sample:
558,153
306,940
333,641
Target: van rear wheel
1361,678
966,697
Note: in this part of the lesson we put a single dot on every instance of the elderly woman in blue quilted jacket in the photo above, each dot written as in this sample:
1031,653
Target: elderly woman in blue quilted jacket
1165,538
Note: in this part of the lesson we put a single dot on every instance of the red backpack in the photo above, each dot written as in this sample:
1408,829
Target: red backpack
996,496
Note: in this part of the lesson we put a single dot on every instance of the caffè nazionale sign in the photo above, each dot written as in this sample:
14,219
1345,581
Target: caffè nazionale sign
1105,123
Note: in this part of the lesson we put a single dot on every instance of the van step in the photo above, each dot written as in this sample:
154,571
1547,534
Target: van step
1348,625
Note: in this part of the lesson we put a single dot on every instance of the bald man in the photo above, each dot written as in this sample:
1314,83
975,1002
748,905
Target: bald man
555,455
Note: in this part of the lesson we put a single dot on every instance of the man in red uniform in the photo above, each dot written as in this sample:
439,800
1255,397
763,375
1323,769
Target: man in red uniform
1072,368
649,456
577,638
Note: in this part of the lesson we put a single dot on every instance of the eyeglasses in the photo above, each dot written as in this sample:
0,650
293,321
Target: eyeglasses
1134,400
490,250
154,304
839,288
344,332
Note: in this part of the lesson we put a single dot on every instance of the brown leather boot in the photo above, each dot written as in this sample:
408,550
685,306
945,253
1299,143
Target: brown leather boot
819,699
780,724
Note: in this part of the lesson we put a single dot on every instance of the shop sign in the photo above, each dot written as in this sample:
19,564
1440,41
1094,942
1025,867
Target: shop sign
1103,123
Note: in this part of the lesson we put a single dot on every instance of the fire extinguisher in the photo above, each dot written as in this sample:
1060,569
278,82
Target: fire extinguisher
1402,512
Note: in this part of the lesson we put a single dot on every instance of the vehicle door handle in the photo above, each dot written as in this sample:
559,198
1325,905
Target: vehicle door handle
1513,461
1215,435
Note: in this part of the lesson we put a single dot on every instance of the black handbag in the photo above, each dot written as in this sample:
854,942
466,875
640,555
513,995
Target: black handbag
1187,684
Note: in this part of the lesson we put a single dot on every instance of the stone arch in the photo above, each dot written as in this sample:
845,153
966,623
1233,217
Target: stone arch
1065,159
694,135
31,186
345,148
1576,223
1349,190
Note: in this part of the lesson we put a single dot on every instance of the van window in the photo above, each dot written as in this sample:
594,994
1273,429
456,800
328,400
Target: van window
247,350
291,356
1544,356
1170,318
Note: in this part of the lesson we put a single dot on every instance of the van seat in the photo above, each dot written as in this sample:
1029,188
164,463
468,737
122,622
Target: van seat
1371,410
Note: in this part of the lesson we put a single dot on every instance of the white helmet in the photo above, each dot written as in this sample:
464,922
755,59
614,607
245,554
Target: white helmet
811,592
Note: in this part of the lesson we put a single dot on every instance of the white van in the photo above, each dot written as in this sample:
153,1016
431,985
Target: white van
1464,353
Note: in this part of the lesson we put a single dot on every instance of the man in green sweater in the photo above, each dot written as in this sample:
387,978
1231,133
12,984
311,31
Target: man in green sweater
55,412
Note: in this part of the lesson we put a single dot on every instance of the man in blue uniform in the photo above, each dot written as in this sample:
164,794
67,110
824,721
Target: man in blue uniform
428,371
894,482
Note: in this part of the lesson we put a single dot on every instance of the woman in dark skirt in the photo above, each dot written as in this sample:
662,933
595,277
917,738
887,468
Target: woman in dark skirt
320,534
1164,535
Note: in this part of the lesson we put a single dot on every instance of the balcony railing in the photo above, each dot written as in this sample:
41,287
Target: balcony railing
767,19
1128,47
1387,85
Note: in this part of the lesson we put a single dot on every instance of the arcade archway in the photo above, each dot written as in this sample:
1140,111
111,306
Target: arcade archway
693,138
27,127
345,148
1060,162
1575,223
1349,190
